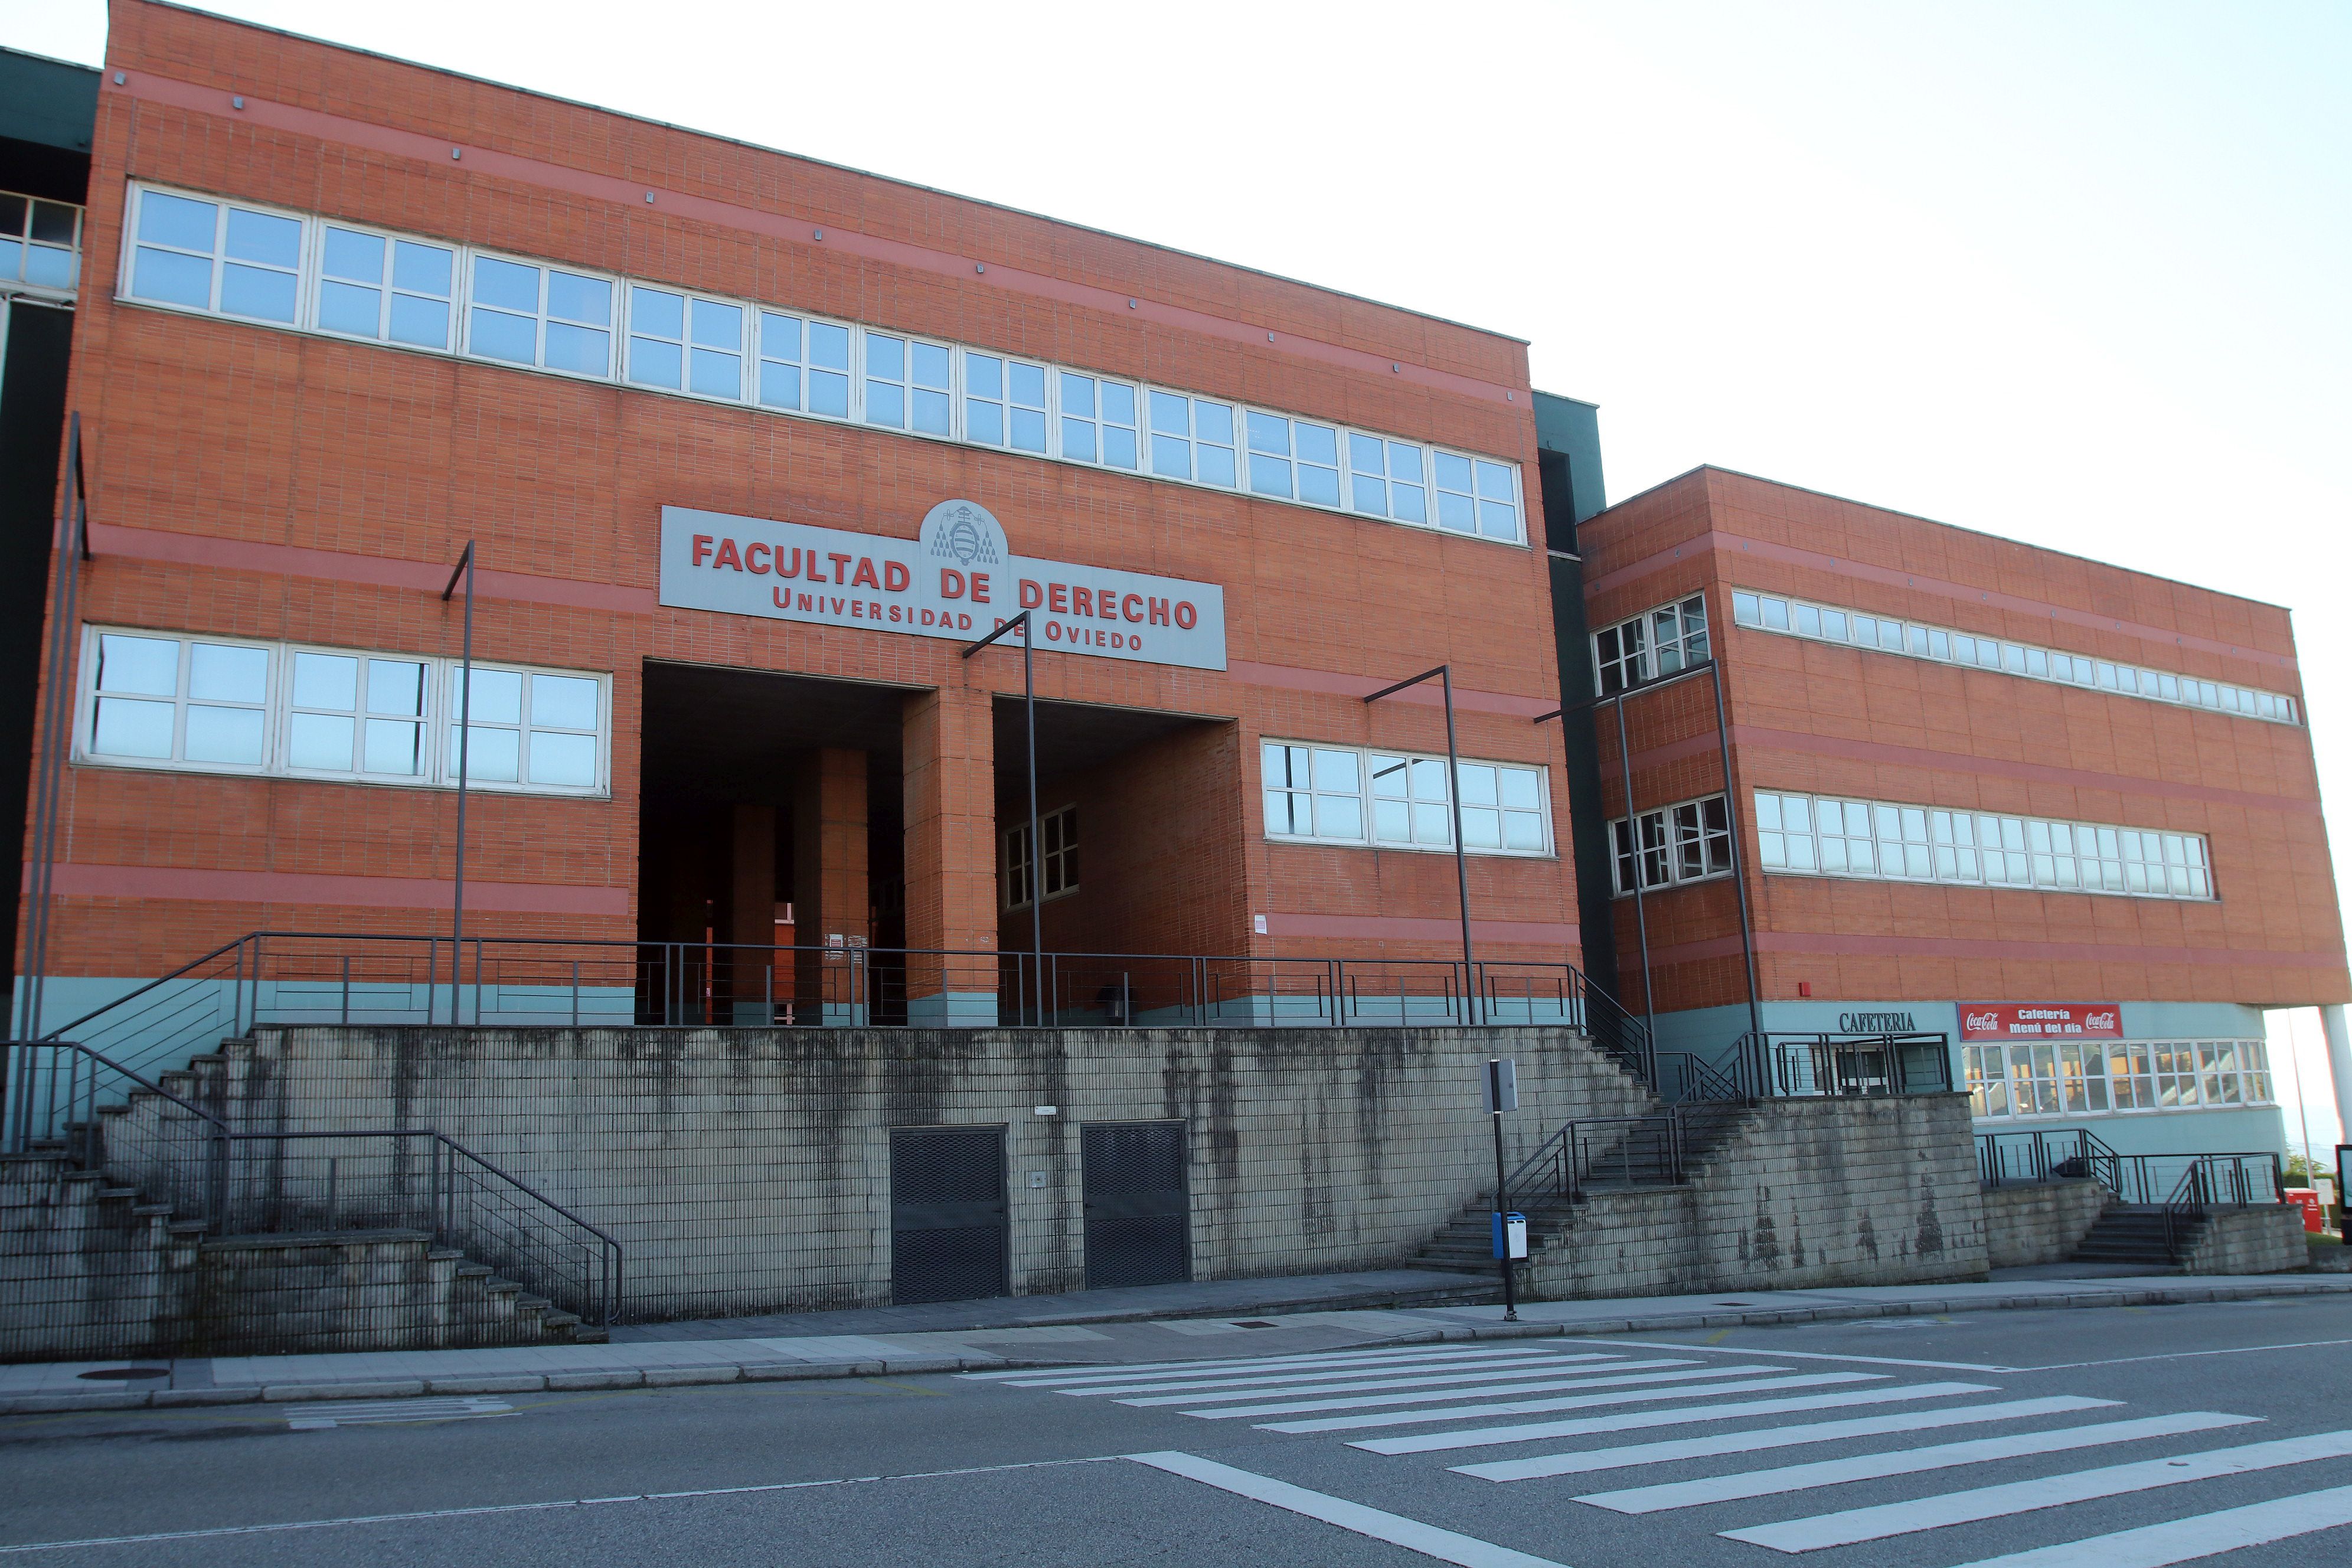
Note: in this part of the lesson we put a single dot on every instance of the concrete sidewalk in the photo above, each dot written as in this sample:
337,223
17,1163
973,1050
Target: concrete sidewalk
1160,1323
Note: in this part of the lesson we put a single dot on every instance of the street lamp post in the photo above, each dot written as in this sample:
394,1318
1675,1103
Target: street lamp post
464,569
1472,1011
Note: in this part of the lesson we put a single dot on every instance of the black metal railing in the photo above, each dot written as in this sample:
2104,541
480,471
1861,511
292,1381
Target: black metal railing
1784,1065
1618,1150
319,977
2218,1181
2058,1153
107,1119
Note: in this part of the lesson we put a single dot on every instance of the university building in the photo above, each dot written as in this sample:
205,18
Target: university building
2061,816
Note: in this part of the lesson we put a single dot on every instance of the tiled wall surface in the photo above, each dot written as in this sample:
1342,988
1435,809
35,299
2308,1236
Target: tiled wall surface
260,483
1809,716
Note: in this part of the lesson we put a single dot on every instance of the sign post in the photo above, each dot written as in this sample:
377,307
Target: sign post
1510,1229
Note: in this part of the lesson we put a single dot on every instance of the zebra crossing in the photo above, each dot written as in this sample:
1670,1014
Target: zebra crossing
1722,1411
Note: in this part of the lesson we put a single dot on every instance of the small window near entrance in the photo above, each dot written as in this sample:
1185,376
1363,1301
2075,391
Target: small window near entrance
1058,832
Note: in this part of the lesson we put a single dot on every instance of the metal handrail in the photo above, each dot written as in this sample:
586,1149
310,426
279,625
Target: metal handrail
1562,1165
63,1105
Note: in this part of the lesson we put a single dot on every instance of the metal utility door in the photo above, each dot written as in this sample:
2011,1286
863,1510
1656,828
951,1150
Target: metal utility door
1139,1219
947,1214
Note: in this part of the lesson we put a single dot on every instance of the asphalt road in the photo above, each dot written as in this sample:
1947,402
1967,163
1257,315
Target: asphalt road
2148,1436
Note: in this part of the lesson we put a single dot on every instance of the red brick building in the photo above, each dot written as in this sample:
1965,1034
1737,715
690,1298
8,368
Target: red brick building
2062,813
692,402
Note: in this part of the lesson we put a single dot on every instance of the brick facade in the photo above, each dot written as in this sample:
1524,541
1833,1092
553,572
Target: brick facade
265,483
1807,716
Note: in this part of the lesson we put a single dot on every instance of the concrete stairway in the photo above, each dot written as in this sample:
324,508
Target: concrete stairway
2133,1232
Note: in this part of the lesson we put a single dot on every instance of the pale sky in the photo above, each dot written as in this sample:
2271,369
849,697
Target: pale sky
2073,273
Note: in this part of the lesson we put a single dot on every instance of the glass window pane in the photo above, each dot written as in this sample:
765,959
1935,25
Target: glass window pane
1431,825
395,685
358,258
425,323
717,375
1335,771
578,349
1077,440
1118,446
1077,395
497,699
1269,475
263,238
346,308
1391,822
1340,817
559,701
177,221
422,269
1481,828
779,384
653,363
829,345
1318,443
220,674
492,754
568,760
1212,422
148,665
1428,778
128,728
326,680
656,312
172,278
263,293
984,423
1520,790
1388,776
1216,465
321,740
1523,830
494,334
1269,434
224,735
572,297
1118,402
717,326
506,286
394,746
1478,784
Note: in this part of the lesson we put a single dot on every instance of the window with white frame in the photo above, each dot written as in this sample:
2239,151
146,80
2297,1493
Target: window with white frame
1669,639
1057,836
546,317
229,258
1686,842
225,705
1888,841
40,242
387,289
686,345
908,385
2078,1078
1345,794
1385,478
1884,633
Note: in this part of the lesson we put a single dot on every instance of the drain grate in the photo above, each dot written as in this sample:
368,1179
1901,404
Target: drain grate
124,1374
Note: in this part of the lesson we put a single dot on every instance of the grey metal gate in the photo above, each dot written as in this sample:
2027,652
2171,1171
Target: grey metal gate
947,1214
1138,1218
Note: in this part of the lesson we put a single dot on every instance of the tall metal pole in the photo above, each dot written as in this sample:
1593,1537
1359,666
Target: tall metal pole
1641,914
72,549
465,735
1472,1011
1510,1284
1739,868
1036,846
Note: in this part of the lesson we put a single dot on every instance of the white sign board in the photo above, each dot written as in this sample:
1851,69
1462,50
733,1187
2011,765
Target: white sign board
958,578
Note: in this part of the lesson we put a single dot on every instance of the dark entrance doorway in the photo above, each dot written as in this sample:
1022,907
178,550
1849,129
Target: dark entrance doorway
1139,1219
947,1214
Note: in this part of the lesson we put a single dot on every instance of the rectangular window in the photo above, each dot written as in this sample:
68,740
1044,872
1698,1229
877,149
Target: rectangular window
40,242
541,316
223,707
216,255
1097,421
1889,841
392,291
1386,479
686,345
1269,455
2123,1077
1499,501
1457,500
1687,842
908,385
1294,458
1343,795
1313,791
1057,834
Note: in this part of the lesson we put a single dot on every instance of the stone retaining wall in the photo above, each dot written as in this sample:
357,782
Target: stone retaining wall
2041,1221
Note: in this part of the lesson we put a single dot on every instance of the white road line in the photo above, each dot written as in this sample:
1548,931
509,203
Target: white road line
1567,1402
1799,1355
1466,1383
1680,1415
2186,1355
1368,1401
1516,1367
419,1515
325,1417
1721,1443
1467,1552
1906,1462
1027,1375
2186,1540
2023,1497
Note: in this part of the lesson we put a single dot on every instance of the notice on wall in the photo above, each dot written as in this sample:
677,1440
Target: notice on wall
958,579
2041,1021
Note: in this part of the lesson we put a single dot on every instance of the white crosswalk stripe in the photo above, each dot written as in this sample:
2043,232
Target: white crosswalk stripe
1853,1525
1632,1421
319,1418
1031,1377
1565,1402
1366,1402
1402,1377
1239,1379
1905,1462
1451,1385
2187,1539
1715,1445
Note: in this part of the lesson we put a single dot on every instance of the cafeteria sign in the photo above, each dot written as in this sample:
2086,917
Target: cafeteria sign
956,578
2041,1021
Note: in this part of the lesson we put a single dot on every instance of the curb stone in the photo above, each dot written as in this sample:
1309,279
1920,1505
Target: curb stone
769,1372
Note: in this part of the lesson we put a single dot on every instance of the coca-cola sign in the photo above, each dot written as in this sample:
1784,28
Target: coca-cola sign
2041,1021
